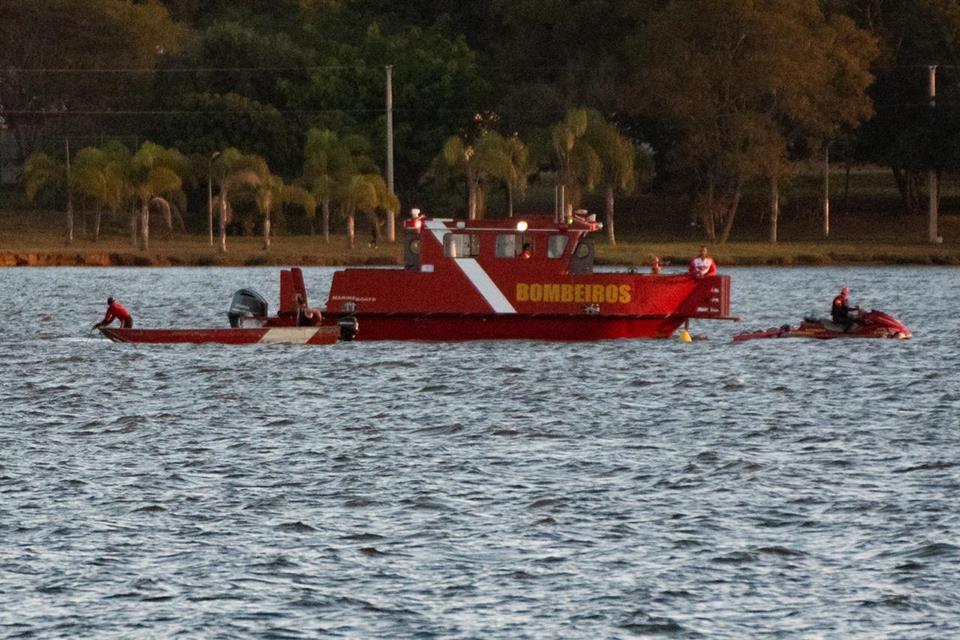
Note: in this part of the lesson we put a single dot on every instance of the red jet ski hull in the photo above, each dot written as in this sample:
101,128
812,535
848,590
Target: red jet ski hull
873,324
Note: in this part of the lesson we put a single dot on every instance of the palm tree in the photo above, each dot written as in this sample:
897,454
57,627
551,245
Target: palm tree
99,175
365,192
232,170
154,176
518,169
273,191
618,166
564,137
323,155
490,156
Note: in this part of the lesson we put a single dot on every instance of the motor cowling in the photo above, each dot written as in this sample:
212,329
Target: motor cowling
246,306
348,328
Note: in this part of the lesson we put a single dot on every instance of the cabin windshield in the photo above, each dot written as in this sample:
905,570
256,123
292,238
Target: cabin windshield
461,245
556,245
507,245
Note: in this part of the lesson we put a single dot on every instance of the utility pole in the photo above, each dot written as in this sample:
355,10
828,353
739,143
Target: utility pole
391,214
826,190
933,182
69,197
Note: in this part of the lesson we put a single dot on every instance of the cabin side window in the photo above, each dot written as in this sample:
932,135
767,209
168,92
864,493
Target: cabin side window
556,246
461,245
507,245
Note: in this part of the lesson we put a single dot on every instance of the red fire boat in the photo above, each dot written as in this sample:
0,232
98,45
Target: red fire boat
869,324
529,278
249,322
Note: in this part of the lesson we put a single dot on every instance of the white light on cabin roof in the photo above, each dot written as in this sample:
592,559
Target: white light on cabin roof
522,226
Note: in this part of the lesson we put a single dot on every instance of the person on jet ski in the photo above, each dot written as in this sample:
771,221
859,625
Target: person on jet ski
842,313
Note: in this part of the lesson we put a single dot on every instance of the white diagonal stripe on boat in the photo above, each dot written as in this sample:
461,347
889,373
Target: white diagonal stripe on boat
293,335
474,272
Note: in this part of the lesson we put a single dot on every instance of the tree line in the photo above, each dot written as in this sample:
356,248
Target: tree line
338,176
702,98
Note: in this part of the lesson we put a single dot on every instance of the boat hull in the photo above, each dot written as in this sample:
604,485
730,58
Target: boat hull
873,324
466,327
250,335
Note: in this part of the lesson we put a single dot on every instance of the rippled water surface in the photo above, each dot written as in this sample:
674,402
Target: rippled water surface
478,490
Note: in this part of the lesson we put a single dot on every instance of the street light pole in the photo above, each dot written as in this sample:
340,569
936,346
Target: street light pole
933,182
210,194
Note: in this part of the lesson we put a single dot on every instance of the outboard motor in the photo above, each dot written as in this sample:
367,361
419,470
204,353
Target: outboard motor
348,328
246,303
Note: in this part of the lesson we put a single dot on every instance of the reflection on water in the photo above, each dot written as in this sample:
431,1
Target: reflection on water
797,488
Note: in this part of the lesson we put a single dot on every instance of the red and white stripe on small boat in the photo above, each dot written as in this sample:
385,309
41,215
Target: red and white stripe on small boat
248,335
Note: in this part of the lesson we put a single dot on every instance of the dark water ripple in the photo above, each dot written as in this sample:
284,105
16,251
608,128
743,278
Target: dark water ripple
624,489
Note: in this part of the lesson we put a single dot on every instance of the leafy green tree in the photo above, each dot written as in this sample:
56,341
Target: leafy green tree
58,34
907,134
551,55
737,80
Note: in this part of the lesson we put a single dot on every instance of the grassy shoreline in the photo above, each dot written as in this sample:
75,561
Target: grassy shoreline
36,239
312,251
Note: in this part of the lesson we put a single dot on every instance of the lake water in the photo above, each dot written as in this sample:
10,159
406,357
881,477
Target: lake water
478,490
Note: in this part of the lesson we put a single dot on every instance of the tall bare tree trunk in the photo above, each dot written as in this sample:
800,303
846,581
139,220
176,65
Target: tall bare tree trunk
223,220
391,225
774,208
731,214
96,223
709,217
266,231
472,200
69,219
326,220
846,189
351,229
134,216
608,218
145,226
509,200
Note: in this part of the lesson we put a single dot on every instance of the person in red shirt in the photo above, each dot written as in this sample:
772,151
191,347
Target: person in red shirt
702,265
115,312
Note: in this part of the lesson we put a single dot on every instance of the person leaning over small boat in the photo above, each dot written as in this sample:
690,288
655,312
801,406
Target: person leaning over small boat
306,317
703,265
841,312
115,311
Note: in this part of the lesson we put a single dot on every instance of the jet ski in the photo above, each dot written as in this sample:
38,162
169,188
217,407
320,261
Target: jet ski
867,324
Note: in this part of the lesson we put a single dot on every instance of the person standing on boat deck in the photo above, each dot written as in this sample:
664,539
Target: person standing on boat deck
115,312
703,265
306,317
527,252
841,312
657,266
